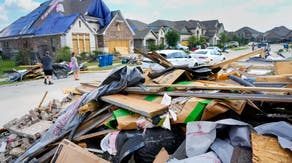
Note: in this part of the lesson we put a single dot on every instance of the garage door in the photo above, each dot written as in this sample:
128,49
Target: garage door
185,43
121,46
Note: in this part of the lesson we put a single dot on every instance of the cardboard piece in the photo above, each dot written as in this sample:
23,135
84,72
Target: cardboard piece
69,152
169,78
268,149
283,67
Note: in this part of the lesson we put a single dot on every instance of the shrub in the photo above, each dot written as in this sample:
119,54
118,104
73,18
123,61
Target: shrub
63,54
93,56
151,46
23,57
84,55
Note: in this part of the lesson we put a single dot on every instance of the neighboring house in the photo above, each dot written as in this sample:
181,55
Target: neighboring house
289,36
185,28
277,34
248,33
144,35
160,32
212,30
83,26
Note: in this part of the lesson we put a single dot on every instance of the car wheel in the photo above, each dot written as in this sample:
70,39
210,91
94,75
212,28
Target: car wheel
196,64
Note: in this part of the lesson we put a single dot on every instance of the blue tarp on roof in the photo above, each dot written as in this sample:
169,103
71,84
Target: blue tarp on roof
56,23
99,9
22,26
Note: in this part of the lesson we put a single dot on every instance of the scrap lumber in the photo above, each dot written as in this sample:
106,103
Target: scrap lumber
283,67
261,52
275,78
210,87
155,57
169,78
139,89
143,107
41,102
230,96
96,134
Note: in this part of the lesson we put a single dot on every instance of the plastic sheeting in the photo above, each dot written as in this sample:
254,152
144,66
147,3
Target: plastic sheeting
22,26
99,9
56,23
118,80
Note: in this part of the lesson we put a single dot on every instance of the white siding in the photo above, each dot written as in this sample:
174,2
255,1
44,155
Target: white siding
75,28
149,36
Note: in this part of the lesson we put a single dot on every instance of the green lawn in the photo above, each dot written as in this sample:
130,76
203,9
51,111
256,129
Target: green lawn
240,48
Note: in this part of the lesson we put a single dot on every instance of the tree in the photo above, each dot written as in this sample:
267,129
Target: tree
172,38
193,41
223,38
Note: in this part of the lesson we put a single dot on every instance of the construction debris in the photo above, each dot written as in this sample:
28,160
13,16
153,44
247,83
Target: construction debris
167,116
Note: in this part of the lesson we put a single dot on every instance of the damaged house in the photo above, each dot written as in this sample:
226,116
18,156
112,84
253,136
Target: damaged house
84,26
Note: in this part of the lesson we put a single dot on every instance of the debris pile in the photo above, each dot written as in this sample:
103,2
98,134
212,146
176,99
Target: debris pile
60,70
180,114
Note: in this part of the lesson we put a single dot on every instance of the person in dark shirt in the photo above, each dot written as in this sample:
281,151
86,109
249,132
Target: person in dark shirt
47,64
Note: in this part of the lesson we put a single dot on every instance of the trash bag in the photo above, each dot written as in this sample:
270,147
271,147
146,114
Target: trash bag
118,80
61,70
145,144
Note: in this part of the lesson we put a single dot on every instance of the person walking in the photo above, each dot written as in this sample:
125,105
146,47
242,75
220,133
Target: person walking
75,67
47,65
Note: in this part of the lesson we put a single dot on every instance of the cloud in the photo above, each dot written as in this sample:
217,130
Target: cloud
26,5
3,15
174,4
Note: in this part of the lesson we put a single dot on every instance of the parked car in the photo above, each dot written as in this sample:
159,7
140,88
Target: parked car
214,48
179,47
263,45
233,43
252,43
208,56
176,57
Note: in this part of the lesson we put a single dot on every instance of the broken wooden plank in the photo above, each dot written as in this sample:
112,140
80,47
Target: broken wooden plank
170,77
139,89
261,51
275,78
96,134
41,102
210,87
230,96
143,107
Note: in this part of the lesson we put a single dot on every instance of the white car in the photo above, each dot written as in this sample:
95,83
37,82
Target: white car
208,56
176,57
214,48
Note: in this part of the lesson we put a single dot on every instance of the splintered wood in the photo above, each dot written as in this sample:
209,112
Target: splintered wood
146,108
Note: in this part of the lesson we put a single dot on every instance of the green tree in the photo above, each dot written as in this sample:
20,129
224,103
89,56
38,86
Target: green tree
223,38
193,41
172,38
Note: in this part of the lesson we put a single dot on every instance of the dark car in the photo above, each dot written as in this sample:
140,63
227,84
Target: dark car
265,46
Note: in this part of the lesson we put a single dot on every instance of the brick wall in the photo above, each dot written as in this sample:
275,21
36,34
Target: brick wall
35,44
118,30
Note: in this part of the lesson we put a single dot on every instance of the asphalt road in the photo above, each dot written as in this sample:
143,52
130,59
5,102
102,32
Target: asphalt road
17,99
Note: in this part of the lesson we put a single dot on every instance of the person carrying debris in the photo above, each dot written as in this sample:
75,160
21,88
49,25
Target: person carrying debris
75,67
47,64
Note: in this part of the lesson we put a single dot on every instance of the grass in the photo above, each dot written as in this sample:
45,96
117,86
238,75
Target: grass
240,48
6,65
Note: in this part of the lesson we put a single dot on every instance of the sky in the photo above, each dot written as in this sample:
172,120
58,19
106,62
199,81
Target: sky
261,15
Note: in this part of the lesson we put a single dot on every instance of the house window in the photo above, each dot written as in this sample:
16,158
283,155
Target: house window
118,27
6,44
79,23
25,44
53,44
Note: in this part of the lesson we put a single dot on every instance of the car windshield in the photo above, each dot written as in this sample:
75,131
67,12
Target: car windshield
175,55
201,52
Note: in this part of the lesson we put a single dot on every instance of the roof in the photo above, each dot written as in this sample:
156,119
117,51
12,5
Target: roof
22,26
281,31
56,23
142,33
137,25
210,24
162,23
